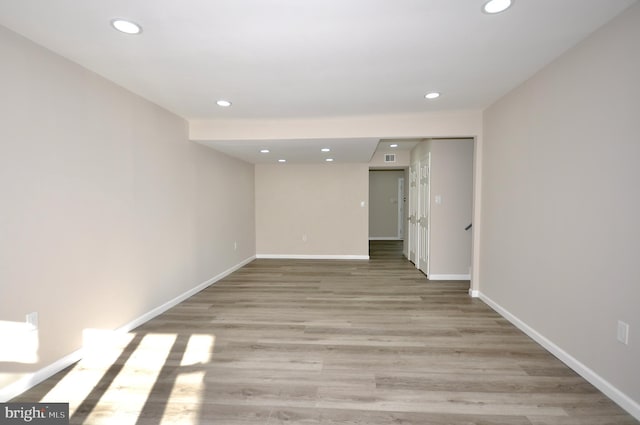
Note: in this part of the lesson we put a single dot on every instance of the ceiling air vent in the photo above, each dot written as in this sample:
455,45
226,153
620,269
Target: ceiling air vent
390,157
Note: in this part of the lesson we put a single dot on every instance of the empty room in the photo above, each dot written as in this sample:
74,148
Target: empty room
337,212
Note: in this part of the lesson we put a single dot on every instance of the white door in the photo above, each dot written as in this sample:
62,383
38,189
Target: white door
401,208
423,214
412,232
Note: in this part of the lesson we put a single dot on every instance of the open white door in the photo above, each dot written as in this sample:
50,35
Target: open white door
401,216
423,214
412,231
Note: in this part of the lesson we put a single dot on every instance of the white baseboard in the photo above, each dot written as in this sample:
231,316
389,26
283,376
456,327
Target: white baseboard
28,381
311,257
449,277
623,400
474,293
177,300
31,380
385,238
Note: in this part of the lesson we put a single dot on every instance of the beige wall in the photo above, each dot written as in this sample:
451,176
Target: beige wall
108,211
408,126
451,181
449,124
383,203
561,204
312,210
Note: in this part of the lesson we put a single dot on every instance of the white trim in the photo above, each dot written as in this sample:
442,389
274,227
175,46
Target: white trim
311,257
449,276
401,213
474,293
623,400
385,238
31,380
177,300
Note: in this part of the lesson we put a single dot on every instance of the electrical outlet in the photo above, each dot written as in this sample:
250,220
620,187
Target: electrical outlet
32,319
304,237
623,332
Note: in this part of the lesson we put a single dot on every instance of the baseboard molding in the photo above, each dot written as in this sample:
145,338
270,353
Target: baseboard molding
177,300
385,238
623,400
449,277
311,257
29,381
474,293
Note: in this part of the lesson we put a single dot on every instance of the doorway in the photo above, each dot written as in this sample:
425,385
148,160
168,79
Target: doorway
386,205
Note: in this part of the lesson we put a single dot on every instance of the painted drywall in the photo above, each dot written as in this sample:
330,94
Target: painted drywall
448,124
312,210
108,211
561,203
408,126
451,206
451,209
383,203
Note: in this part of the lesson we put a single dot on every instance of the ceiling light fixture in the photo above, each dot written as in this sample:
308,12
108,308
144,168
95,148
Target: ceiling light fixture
325,150
329,159
223,103
282,160
125,26
432,95
264,150
393,145
496,6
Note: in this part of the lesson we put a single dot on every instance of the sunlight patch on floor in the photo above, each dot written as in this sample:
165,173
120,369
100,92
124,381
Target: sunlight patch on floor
136,367
189,384
129,390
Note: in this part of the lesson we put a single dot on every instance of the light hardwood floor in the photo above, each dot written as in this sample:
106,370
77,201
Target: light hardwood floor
327,342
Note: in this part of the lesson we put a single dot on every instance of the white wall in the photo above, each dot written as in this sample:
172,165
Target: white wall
561,205
408,126
451,180
108,211
312,210
449,124
383,203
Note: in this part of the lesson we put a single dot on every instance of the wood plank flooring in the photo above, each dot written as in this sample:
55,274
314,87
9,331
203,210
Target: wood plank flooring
327,342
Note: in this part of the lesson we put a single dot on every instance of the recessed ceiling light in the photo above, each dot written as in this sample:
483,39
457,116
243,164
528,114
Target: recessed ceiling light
264,150
496,6
432,95
325,150
329,159
393,145
127,27
223,103
282,160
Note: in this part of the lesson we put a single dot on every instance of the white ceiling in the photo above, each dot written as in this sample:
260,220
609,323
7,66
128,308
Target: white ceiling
351,150
310,58
307,151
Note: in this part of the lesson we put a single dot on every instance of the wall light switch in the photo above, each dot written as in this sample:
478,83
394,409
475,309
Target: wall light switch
362,204
438,199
